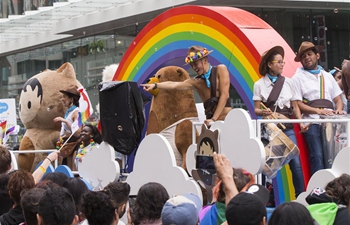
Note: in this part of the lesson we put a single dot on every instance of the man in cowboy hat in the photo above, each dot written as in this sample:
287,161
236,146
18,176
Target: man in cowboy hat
211,83
315,91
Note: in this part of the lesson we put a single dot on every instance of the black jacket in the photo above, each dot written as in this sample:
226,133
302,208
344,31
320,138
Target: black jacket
13,217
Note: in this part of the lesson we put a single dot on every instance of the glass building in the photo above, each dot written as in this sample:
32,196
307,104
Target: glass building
43,34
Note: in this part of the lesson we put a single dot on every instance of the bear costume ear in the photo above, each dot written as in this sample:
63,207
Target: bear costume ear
179,72
67,70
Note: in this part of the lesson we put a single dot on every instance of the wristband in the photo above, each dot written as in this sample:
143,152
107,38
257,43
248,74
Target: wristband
42,169
155,86
49,159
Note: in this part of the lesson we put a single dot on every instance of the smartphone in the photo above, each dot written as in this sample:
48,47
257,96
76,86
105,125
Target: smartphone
205,162
132,199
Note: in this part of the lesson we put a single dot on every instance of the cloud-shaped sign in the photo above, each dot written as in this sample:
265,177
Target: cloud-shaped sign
3,107
322,177
237,141
155,162
99,167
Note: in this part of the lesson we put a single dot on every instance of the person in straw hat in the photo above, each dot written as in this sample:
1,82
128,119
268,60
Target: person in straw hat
276,93
212,84
316,91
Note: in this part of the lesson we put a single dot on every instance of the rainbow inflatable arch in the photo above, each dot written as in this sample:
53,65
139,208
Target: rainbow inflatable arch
237,37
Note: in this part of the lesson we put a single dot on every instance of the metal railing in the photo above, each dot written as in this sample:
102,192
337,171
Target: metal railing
36,151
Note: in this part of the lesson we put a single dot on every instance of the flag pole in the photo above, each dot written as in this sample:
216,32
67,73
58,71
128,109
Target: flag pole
65,142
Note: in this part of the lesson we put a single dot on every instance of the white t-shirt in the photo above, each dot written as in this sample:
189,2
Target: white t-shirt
263,88
120,222
308,86
64,127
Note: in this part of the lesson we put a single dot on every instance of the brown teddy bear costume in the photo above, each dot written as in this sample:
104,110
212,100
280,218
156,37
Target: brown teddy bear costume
40,102
172,112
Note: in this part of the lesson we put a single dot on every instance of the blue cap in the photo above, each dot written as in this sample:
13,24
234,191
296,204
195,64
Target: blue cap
332,71
181,210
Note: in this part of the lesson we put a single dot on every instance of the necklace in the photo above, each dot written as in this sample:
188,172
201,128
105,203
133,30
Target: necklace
83,149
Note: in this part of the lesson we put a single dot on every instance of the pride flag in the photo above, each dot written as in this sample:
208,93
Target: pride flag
9,131
85,108
3,129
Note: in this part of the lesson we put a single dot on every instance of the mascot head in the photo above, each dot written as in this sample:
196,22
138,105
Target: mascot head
40,100
169,73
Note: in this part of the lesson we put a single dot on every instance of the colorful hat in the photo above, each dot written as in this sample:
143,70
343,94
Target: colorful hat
304,47
266,55
195,53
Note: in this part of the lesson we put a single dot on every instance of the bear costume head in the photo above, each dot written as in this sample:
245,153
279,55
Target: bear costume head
40,102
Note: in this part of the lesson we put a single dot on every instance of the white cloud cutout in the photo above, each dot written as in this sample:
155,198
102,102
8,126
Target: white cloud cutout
322,177
155,162
237,141
99,167
191,158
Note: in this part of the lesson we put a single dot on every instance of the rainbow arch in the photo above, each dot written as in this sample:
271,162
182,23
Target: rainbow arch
237,37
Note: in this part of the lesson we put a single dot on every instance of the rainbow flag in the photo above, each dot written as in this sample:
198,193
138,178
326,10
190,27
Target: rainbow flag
6,135
10,130
85,108
80,120
3,129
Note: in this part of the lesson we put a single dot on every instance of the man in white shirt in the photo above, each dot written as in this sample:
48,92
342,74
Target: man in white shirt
315,90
